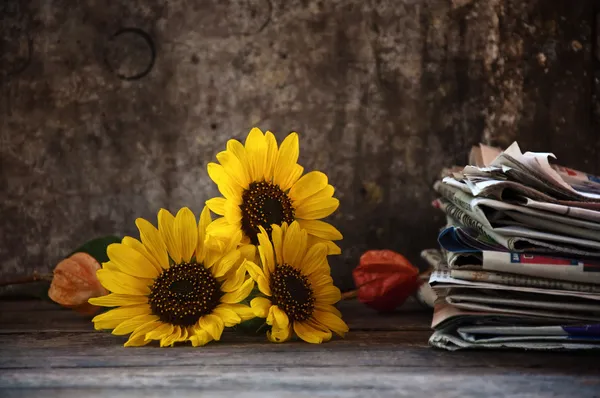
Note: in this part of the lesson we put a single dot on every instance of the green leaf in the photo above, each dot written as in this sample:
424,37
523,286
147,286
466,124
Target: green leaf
97,247
254,326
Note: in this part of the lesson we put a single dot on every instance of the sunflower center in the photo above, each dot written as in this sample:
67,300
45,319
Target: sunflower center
184,293
263,204
292,292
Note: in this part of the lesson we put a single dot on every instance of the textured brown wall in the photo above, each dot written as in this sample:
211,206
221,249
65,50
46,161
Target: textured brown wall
109,112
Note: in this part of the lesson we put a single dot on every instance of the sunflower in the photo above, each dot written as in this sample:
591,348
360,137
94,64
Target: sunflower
263,185
300,292
174,285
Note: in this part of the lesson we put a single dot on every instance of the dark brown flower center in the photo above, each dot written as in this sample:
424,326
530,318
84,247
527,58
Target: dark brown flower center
263,204
292,293
184,293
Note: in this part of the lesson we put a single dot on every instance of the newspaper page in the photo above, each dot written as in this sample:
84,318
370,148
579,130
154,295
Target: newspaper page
449,340
534,167
498,210
537,265
522,280
570,211
509,190
447,320
441,280
484,155
592,330
446,315
520,311
521,239
527,304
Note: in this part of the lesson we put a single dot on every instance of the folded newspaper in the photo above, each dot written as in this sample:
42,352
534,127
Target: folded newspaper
519,258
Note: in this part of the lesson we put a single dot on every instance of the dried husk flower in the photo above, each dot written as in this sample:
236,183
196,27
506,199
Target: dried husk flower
385,279
75,282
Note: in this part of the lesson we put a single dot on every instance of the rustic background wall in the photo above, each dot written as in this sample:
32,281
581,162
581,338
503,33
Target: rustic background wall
110,111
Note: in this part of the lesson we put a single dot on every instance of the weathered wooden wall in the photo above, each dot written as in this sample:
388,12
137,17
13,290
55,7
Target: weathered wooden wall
110,111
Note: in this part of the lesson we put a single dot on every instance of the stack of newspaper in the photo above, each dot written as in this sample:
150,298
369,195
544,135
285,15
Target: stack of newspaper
519,264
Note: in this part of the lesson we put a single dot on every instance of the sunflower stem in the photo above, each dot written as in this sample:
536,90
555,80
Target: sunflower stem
35,277
352,294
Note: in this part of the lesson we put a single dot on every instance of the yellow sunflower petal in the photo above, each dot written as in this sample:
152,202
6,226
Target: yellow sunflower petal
226,185
308,333
280,318
217,205
266,251
160,332
316,210
233,241
166,226
130,261
240,294
320,229
328,308
327,295
259,277
319,280
225,264
170,339
200,338
118,300
315,259
151,238
112,318
110,266
323,194
248,252
293,177
243,311
331,322
260,306
280,335
131,324
118,282
228,316
332,248
233,213
139,246
308,185
277,237
185,334
214,250
294,245
186,232
138,337
326,334
286,160
234,280
203,223
271,156
236,147
179,334
213,325
221,228
234,168
256,148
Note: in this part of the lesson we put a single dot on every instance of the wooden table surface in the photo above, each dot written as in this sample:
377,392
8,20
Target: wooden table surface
52,352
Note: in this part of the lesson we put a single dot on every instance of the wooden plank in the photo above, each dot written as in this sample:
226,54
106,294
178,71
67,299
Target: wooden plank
88,343
83,362
339,381
21,316
369,349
